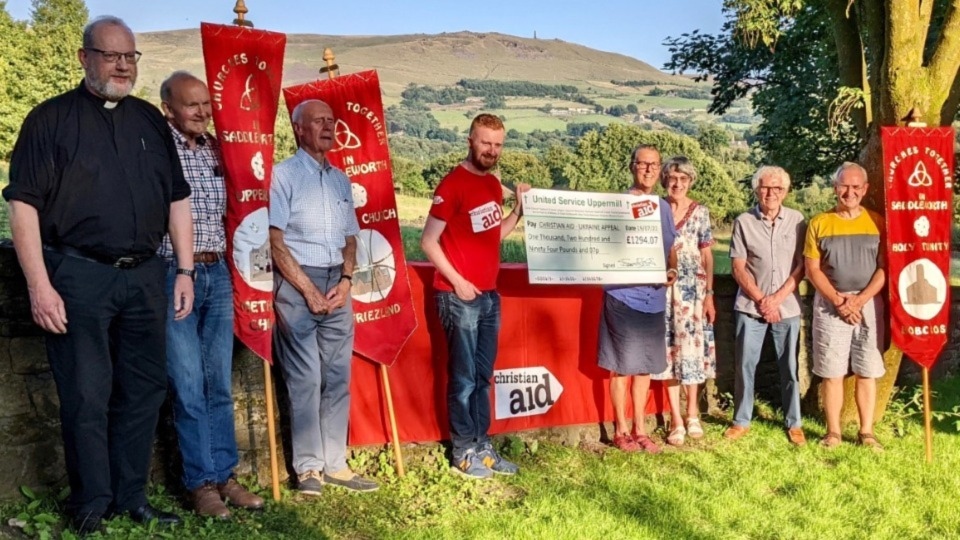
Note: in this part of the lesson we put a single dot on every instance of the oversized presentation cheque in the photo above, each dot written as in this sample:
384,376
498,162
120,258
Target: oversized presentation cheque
601,238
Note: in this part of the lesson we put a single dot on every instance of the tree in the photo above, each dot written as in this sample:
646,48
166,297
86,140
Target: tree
815,198
600,164
616,110
518,167
57,28
713,139
13,56
409,121
37,61
438,167
891,56
408,176
791,87
494,101
556,159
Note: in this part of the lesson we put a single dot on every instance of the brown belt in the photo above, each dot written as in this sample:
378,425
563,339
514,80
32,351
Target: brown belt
207,257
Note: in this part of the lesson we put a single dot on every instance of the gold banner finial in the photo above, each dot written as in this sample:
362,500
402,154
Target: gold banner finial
241,10
914,118
331,69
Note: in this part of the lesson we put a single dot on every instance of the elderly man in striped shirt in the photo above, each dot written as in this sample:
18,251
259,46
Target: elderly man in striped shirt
313,231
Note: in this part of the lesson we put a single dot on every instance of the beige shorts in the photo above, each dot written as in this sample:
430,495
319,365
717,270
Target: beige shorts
839,348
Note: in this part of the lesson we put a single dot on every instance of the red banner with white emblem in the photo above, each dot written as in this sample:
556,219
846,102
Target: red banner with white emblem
382,306
918,179
244,67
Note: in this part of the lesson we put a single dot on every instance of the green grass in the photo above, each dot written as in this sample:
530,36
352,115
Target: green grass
452,118
758,487
721,253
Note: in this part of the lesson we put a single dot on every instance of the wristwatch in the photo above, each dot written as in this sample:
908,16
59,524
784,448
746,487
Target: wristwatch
347,277
187,272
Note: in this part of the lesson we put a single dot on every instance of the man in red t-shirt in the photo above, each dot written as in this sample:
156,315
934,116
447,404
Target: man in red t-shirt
462,239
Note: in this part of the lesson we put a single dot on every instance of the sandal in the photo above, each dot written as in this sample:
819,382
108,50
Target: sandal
675,438
831,440
625,443
869,440
694,429
646,444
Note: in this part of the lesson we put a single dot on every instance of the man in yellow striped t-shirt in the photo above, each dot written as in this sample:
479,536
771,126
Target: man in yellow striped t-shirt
844,261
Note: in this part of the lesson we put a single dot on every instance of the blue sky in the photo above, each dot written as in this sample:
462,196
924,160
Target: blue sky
635,28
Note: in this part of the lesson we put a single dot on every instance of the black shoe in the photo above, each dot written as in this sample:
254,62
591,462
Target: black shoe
146,513
87,523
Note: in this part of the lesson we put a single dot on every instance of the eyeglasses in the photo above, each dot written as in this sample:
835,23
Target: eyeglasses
776,190
112,57
646,164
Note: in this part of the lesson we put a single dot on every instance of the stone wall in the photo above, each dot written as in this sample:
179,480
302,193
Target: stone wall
30,446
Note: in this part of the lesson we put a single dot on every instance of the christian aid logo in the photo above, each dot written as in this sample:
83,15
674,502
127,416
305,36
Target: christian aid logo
525,391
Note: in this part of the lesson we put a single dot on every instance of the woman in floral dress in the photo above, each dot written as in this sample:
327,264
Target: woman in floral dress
690,312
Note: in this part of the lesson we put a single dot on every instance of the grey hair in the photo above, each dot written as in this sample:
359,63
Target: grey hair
166,87
843,168
639,147
680,164
105,20
771,170
297,113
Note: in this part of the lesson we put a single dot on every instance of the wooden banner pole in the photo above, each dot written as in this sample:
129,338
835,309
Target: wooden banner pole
926,415
240,8
395,436
271,431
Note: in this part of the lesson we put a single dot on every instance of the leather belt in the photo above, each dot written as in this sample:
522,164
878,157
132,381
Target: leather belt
125,262
207,257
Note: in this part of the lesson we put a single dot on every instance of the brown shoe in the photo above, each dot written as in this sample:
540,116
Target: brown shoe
206,502
796,436
237,495
734,432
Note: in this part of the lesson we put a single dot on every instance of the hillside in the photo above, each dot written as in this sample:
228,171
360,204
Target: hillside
440,59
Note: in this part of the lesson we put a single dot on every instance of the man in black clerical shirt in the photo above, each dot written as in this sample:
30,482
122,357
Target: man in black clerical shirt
95,182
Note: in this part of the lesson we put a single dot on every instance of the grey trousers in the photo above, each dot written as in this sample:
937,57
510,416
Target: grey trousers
315,352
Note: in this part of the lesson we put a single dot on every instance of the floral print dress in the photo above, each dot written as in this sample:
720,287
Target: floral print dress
691,350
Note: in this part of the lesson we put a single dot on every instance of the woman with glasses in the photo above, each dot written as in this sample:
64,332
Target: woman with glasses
690,312
632,335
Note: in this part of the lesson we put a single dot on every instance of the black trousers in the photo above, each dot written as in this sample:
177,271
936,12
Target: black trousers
110,370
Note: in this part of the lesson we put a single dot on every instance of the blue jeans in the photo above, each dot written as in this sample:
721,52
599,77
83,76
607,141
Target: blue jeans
472,329
750,334
199,367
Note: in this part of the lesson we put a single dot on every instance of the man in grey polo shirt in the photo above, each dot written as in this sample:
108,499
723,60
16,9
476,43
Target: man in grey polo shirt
313,231
766,255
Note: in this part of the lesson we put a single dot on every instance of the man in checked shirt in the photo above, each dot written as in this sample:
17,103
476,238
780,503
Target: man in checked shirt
200,346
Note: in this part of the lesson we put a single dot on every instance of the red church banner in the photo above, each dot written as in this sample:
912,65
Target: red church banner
918,179
381,291
244,67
